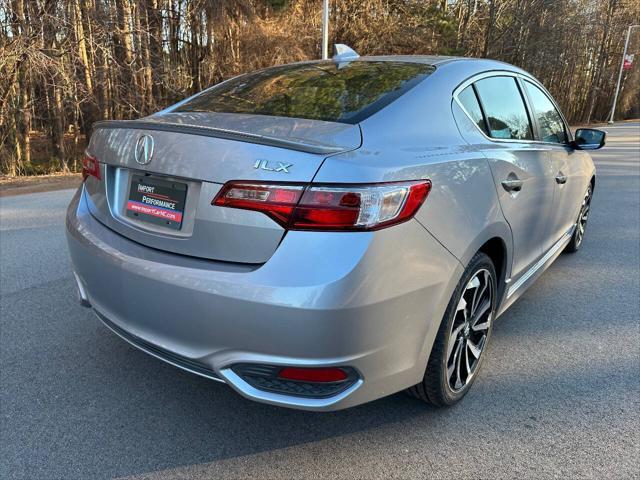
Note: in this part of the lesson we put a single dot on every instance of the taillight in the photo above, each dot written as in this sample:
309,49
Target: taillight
328,207
277,201
90,166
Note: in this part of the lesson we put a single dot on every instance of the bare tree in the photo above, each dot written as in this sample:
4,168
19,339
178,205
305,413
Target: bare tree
66,63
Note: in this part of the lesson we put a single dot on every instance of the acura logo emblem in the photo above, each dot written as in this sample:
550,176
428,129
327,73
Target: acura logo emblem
144,149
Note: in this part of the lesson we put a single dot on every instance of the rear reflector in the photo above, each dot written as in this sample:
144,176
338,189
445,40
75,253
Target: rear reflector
310,382
318,375
328,207
90,167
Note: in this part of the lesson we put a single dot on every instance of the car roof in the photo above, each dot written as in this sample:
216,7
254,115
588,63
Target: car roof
470,63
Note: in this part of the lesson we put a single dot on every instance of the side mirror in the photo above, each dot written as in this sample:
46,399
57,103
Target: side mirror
589,139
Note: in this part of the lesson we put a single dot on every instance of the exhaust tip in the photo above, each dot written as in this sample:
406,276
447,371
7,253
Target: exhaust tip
82,294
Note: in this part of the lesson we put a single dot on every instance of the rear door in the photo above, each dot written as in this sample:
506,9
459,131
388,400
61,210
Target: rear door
569,176
520,168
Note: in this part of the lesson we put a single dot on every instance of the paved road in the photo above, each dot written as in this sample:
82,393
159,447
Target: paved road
558,395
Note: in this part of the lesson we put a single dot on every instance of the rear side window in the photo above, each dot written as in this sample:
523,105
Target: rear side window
504,107
346,92
469,101
549,120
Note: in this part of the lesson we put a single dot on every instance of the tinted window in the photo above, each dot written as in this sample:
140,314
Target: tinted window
470,103
549,120
504,108
346,92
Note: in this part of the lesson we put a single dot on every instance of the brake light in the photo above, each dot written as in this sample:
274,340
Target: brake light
328,207
90,166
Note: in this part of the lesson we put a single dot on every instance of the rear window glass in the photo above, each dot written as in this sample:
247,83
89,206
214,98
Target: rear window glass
346,92
504,108
470,103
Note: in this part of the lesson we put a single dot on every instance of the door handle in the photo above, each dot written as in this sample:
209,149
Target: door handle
512,185
561,179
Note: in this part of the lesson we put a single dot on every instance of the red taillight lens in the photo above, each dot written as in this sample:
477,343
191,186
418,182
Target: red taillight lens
90,166
277,201
313,374
329,207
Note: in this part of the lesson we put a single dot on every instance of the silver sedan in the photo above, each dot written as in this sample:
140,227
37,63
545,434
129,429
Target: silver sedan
322,234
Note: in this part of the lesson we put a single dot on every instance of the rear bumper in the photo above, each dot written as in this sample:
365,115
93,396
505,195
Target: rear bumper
372,301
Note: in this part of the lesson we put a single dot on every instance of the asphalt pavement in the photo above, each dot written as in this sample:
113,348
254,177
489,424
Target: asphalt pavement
558,395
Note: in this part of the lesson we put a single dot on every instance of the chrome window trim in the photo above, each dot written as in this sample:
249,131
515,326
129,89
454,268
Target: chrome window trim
518,77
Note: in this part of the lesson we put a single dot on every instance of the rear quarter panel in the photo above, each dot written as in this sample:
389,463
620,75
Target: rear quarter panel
416,137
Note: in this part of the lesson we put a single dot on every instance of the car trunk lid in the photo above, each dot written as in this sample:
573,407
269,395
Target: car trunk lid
184,159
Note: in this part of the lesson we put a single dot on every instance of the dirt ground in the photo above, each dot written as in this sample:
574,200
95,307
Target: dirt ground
42,183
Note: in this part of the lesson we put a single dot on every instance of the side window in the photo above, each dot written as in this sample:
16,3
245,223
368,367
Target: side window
549,120
504,107
469,101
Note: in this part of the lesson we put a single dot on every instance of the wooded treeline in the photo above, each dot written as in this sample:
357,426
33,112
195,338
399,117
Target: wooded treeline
65,64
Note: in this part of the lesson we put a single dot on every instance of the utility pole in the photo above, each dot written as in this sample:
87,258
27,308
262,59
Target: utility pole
325,29
624,54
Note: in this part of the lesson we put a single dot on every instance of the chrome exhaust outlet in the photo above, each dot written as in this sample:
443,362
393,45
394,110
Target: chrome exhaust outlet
82,294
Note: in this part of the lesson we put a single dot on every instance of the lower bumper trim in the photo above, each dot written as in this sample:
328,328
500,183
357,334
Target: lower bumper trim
160,353
266,378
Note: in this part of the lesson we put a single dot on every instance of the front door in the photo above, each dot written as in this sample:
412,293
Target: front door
569,175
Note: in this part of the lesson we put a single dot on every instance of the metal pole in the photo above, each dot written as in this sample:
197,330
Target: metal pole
624,54
325,29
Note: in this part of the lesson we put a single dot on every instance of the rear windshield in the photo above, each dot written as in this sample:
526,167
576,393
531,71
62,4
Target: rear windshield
346,92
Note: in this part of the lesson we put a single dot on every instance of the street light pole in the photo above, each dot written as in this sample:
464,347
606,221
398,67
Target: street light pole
624,54
325,29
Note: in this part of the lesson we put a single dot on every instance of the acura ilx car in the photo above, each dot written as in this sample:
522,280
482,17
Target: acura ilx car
321,234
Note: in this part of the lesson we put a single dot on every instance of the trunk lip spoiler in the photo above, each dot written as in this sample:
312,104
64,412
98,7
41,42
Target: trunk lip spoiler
224,133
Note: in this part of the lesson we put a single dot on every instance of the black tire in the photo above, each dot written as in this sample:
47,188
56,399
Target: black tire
581,223
435,387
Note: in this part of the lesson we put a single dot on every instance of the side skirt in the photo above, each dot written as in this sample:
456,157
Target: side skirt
517,288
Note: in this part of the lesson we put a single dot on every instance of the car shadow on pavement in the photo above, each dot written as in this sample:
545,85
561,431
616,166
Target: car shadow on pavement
153,417
560,381
86,404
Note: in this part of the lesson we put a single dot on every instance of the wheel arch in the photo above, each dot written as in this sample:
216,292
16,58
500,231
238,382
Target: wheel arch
496,249
496,242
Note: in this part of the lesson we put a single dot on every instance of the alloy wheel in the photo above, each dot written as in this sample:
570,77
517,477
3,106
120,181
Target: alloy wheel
469,330
583,217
